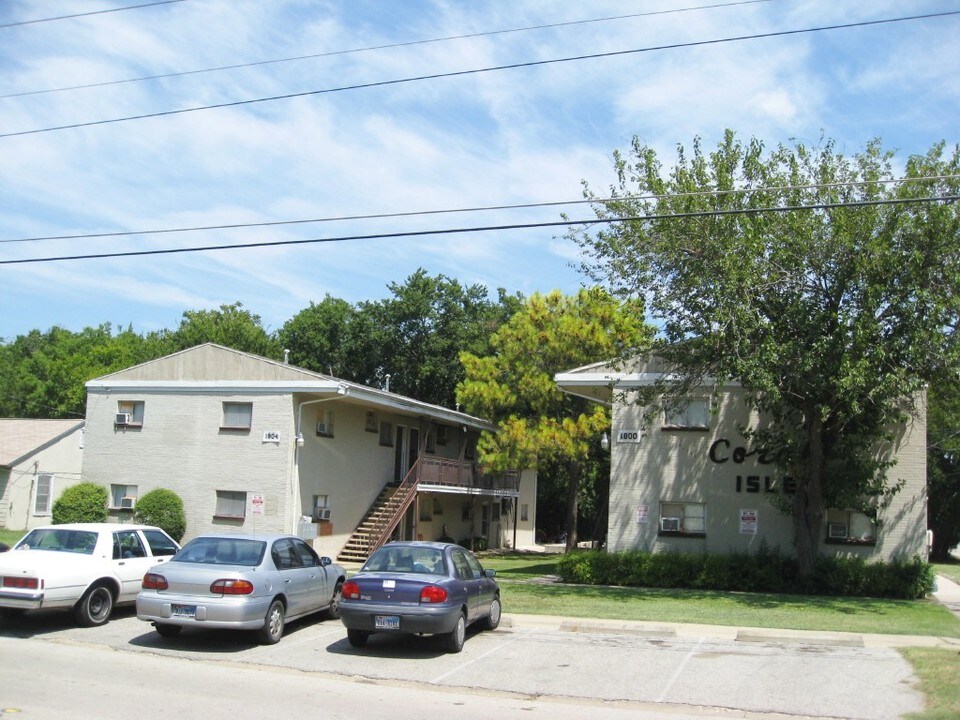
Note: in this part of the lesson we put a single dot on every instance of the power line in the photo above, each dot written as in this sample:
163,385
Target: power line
484,229
86,14
478,71
485,208
409,43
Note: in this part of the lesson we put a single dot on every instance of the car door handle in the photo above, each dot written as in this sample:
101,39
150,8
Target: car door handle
287,581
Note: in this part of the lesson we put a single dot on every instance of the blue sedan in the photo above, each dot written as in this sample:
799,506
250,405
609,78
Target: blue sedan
423,588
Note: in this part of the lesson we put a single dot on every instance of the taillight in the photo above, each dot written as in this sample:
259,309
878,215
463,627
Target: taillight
350,590
21,583
433,594
152,581
230,586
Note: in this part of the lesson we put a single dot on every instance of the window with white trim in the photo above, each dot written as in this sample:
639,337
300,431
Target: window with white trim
123,496
690,413
683,518
43,499
237,416
231,504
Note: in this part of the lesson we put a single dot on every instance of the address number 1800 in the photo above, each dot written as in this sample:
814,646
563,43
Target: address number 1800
628,436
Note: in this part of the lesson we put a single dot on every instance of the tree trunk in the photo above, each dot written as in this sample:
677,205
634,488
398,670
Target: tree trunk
808,501
573,491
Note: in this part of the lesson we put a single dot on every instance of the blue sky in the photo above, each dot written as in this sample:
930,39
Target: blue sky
517,136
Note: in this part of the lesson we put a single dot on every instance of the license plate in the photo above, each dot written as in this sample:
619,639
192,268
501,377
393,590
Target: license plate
183,610
386,622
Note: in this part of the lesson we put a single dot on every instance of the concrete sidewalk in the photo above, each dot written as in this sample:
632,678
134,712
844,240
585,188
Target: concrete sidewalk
947,593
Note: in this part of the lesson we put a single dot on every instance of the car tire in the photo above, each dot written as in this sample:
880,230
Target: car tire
357,638
167,631
333,612
272,629
455,638
95,607
492,621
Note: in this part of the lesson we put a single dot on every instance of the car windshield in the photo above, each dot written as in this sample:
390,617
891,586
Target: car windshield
71,541
221,551
426,561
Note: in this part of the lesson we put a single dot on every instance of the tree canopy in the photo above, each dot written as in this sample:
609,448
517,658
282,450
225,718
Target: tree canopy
827,285
538,425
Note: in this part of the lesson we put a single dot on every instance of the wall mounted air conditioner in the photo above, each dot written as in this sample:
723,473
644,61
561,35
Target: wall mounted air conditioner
127,503
837,530
670,524
321,513
122,419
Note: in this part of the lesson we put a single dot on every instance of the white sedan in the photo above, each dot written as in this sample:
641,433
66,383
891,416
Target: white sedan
88,567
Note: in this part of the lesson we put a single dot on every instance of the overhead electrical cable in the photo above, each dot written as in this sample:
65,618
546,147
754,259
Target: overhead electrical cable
485,208
87,14
478,71
482,229
390,46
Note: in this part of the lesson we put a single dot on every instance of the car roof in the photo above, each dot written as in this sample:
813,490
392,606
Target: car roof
96,527
262,537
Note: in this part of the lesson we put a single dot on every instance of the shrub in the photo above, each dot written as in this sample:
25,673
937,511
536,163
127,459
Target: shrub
164,509
83,502
766,571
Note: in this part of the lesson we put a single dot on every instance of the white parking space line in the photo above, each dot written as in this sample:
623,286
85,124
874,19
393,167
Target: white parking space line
485,655
288,642
679,671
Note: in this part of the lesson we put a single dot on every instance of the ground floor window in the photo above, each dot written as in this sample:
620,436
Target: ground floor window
123,496
850,526
683,518
43,499
231,503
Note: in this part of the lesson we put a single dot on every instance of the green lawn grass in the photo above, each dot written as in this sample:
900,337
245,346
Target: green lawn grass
10,536
797,612
939,673
951,570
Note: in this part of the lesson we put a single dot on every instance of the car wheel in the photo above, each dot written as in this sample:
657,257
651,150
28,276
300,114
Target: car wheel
94,607
333,612
167,630
357,638
457,636
492,621
272,629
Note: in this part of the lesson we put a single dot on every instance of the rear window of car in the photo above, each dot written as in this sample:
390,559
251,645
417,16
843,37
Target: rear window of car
81,542
222,551
423,561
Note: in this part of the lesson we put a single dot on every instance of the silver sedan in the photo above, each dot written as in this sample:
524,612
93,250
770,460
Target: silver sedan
240,582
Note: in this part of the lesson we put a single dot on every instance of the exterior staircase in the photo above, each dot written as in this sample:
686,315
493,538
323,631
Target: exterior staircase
383,516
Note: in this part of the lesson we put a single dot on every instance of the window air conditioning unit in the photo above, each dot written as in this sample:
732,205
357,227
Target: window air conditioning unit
670,524
837,530
127,503
321,513
122,419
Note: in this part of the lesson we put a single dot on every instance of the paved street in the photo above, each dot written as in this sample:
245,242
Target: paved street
640,666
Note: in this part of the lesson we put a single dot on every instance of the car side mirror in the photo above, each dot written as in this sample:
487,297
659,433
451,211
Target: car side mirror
490,573
324,561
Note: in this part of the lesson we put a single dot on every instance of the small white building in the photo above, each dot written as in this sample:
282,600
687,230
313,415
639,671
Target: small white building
252,444
690,482
39,459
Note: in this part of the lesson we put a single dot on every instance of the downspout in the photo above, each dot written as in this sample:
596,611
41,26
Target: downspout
342,391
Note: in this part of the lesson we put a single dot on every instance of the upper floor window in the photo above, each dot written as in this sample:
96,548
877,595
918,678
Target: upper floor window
686,413
325,422
129,413
237,416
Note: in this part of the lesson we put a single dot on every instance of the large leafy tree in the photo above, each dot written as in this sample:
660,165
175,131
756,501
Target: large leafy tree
229,325
319,337
943,465
416,335
539,426
827,285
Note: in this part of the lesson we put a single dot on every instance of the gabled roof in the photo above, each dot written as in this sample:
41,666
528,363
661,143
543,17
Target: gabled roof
215,368
22,437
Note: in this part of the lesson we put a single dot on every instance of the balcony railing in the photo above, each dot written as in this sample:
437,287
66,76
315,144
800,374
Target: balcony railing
462,474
